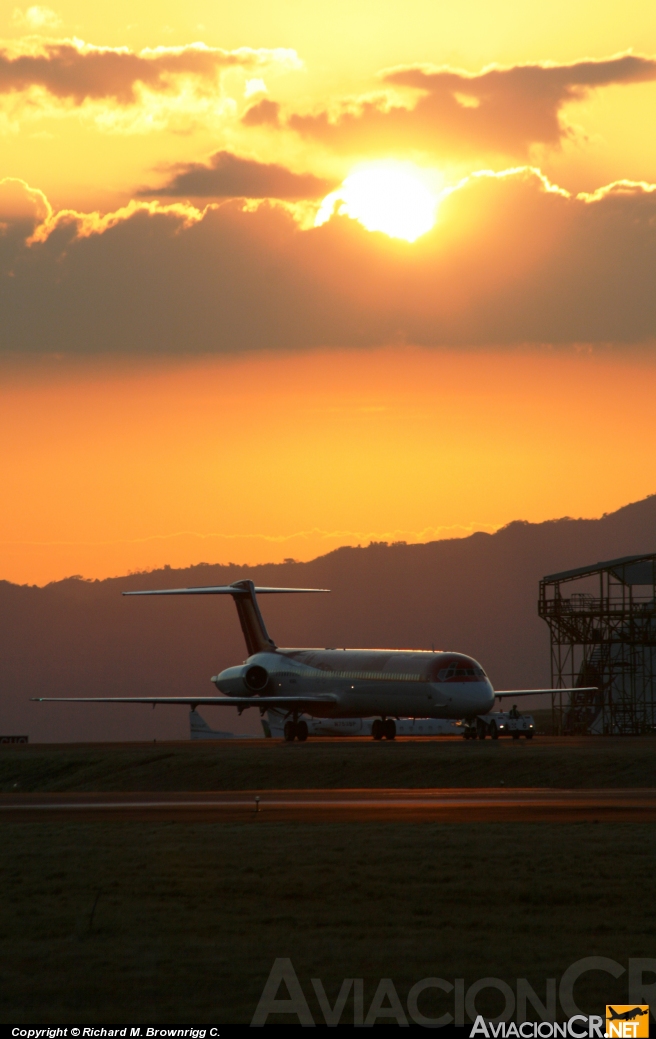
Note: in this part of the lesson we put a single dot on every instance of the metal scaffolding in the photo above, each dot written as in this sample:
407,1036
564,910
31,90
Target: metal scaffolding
603,634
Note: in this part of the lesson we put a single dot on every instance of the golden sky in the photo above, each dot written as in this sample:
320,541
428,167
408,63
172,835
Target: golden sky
280,276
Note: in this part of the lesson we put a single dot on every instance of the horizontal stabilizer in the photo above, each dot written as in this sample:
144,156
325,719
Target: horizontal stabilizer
244,594
544,692
225,589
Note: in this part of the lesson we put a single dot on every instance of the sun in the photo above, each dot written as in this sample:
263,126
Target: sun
387,198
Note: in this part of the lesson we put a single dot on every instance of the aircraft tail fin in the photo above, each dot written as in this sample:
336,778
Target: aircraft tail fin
245,595
200,730
252,623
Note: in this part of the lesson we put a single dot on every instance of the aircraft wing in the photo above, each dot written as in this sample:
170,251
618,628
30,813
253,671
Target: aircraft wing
285,702
540,692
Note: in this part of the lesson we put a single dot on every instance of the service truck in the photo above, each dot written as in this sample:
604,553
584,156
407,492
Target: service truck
500,723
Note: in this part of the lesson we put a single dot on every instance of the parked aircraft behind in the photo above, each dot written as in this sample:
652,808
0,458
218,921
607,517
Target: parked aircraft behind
385,684
200,730
274,726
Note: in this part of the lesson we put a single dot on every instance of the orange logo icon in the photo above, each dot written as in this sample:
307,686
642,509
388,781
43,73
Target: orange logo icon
627,1021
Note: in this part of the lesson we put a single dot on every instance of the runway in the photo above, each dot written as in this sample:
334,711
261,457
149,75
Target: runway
441,805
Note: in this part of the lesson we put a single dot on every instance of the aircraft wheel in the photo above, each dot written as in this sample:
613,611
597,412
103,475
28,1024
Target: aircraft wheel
290,731
515,735
377,729
494,732
390,729
529,735
301,731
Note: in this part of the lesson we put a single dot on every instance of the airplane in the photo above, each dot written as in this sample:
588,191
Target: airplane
386,684
628,1015
200,730
274,726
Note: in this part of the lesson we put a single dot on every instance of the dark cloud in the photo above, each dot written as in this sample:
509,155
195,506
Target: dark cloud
76,72
229,176
264,113
510,260
500,110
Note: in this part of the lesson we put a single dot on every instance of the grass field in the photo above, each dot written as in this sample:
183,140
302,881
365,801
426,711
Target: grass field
189,918
272,764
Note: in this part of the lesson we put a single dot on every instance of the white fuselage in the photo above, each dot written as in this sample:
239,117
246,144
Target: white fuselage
366,683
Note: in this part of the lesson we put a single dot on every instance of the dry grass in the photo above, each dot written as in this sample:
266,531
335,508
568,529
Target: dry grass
272,764
189,918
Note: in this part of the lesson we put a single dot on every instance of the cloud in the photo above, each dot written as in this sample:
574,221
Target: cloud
229,176
75,72
20,204
458,114
120,91
255,86
511,260
36,17
264,113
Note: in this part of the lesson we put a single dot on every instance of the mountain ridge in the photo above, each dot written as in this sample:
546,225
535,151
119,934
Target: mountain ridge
79,637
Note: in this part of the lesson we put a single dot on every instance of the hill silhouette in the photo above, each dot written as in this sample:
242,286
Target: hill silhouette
477,594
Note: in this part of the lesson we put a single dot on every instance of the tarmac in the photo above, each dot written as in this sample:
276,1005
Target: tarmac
489,804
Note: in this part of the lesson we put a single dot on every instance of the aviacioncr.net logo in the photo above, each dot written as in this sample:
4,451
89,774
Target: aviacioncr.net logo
627,1021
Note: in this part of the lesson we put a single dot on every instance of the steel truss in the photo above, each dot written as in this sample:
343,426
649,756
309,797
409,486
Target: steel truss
604,636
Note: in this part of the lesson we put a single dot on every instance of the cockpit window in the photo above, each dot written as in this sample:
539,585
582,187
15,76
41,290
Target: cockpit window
458,672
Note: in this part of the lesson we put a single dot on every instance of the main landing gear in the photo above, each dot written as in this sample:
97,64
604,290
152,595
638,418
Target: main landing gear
477,730
296,731
384,728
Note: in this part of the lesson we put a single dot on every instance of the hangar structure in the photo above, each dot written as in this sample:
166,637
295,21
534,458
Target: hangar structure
602,620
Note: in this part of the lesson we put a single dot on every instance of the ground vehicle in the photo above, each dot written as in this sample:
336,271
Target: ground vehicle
500,723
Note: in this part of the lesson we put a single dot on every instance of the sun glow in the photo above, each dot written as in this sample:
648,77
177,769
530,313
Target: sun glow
391,199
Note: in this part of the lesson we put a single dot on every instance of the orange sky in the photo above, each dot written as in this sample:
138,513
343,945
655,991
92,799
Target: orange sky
117,467
190,369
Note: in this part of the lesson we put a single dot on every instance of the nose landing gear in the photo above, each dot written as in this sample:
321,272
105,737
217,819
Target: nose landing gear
383,728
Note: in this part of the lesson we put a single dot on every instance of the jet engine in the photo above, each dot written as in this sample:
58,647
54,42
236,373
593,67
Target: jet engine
256,678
